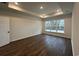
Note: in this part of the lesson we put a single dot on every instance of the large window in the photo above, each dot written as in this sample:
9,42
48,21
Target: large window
54,26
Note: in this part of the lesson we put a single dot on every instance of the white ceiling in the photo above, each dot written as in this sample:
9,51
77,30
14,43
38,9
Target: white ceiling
49,8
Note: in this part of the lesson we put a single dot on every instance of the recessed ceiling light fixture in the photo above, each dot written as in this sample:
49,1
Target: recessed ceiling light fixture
58,10
16,3
41,7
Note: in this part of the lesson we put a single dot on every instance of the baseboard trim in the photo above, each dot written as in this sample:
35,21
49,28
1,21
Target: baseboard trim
24,38
56,36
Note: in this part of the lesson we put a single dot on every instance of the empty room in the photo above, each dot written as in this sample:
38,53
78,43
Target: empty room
39,28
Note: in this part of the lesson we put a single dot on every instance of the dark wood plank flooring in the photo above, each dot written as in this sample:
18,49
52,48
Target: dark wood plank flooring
39,45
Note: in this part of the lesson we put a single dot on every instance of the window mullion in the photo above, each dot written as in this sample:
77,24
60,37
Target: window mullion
56,25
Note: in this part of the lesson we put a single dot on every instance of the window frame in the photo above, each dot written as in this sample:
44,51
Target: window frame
56,26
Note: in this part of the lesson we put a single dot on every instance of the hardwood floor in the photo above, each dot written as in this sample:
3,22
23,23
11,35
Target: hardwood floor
39,45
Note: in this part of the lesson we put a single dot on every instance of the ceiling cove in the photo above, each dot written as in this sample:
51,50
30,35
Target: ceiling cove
43,9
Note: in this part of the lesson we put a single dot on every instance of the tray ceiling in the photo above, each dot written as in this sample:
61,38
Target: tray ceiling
43,9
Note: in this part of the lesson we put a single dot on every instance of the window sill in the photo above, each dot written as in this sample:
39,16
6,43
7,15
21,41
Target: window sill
55,32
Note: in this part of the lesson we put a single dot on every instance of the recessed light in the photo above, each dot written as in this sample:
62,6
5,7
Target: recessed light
16,3
58,10
41,7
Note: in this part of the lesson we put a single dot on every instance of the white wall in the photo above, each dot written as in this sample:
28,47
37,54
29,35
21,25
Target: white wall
24,27
67,29
4,28
68,26
75,29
